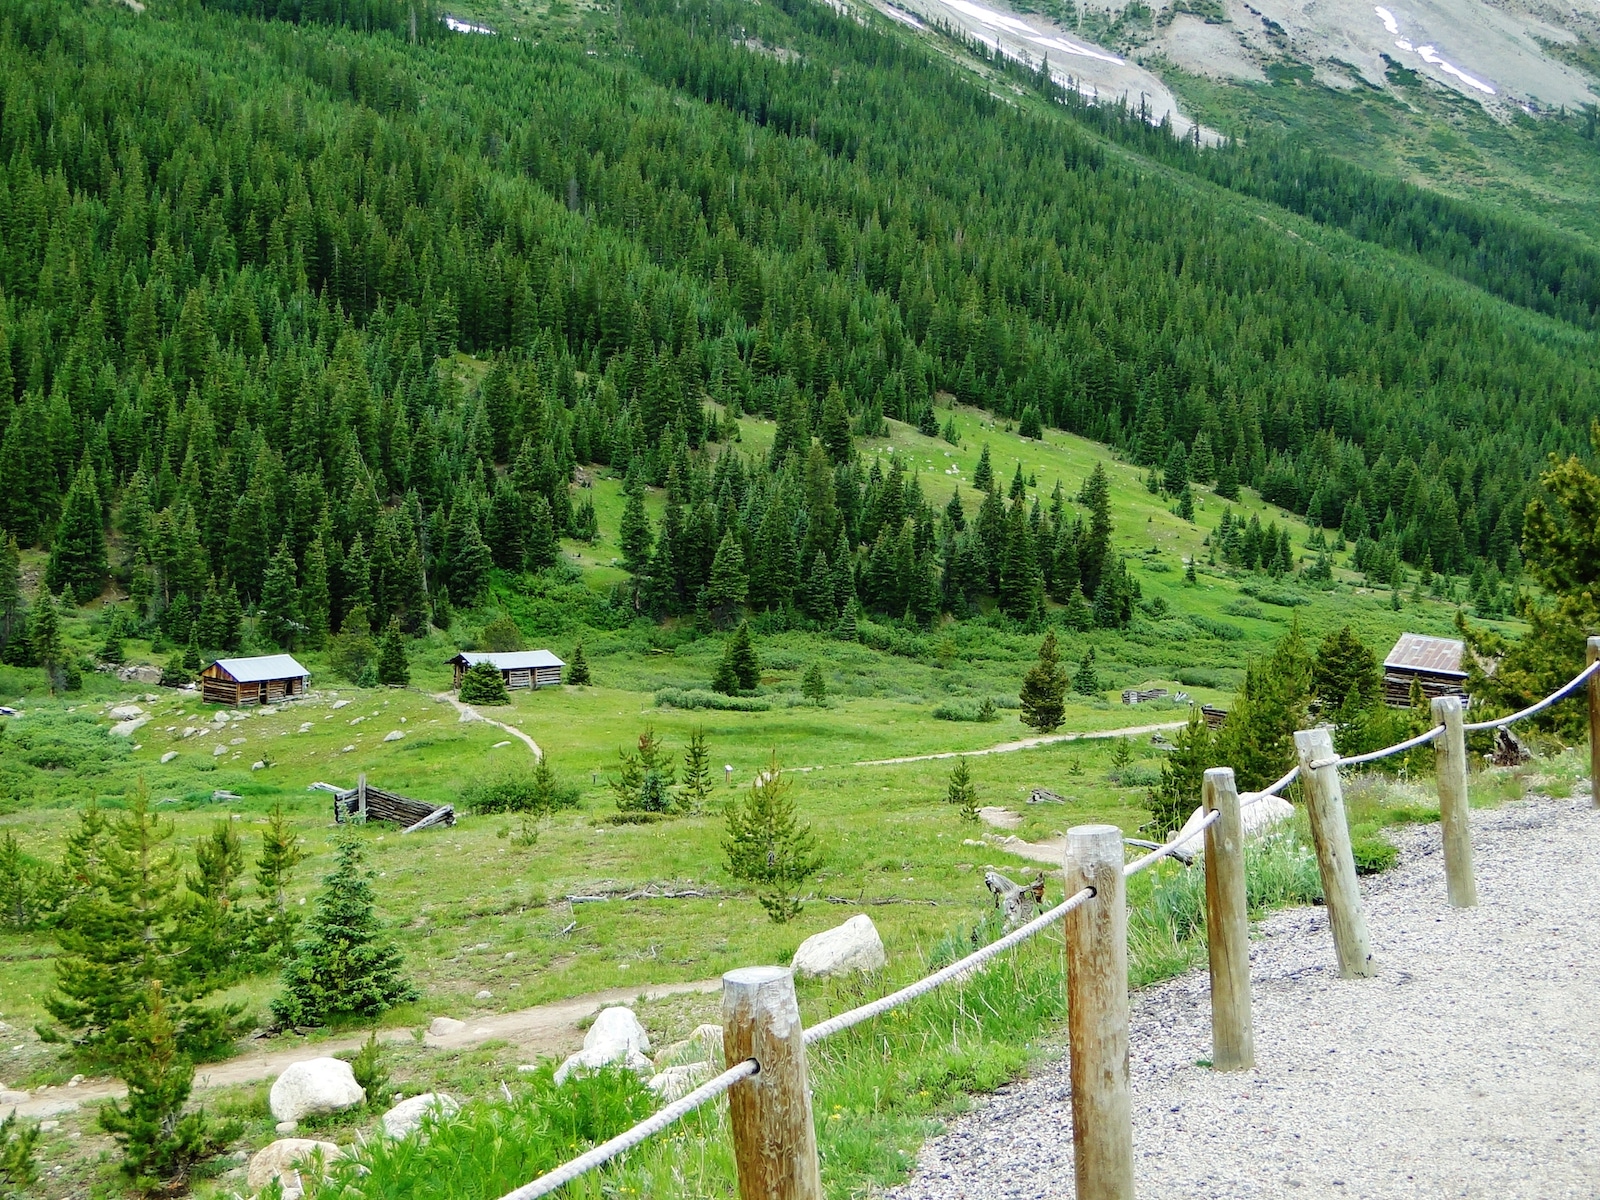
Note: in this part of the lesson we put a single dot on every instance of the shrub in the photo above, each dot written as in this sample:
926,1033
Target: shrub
372,1074
691,698
502,635
17,1169
984,711
520,790
1373,852
482,684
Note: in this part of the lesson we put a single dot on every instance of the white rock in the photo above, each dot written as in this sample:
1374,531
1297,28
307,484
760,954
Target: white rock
218,750
8,1099
314,1086
338,704
405,1117
485,994
219,718
169,756
527,1068
603,1056
347,749
305,726
445,1026
853,946
126,712
394,735
49,1126
151,697
1258,815
75,1081
258,765
497,745
677,1082
127,728
704,1045
282,1157
236,741
287,1127
618,1027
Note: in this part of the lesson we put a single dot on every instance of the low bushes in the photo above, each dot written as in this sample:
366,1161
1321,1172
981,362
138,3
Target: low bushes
691,698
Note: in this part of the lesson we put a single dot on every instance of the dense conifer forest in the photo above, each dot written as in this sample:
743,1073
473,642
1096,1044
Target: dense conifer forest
242,262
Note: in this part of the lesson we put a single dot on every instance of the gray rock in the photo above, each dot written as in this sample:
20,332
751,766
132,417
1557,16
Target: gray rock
169,756
313,1087
445,1026
847,949
394,735
677,1082
617,1025
704,1045
283,1158
406,1117
126,712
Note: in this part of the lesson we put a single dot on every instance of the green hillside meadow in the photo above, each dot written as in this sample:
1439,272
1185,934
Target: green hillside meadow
327,331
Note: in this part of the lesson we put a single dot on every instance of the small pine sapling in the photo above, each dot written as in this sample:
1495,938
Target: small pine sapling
644,777
697,781
18,1171
483,684
371,1071
578,668
963,793
1087,681
281,853
1121,756
768,847
813,687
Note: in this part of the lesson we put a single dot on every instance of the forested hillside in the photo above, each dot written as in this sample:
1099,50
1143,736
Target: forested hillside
240,258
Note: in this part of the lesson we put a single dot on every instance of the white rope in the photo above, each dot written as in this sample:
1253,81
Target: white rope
1274,788
1155,856
643,1131
1422,739
1580,678
977,958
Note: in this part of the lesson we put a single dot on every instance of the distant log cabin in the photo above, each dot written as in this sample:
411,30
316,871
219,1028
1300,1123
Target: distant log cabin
519,668
263,680
1433,662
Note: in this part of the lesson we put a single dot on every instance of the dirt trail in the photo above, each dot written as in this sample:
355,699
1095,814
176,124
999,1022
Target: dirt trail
1008,747
468,713
545,1029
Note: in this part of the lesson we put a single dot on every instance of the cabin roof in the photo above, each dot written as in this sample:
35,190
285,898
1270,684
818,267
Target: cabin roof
514,660
1430,655
261,668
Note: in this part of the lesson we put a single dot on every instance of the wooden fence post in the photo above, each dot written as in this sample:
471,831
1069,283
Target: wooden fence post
1227,926
774,1140
1097,1015
1450,766
1594,724
1335,863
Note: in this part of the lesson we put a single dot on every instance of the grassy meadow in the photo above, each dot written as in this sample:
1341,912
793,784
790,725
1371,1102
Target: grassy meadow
476,908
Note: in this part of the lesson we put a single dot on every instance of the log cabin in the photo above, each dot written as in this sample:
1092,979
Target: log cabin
266,679
519,668
1435,664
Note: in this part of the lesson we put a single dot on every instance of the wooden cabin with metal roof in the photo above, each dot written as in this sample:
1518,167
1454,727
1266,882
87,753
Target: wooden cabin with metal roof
1432,662
265,679
519,668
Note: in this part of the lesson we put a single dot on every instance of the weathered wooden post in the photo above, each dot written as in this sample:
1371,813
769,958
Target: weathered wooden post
774,1141
1335,862
1097,1015
1450,767
361,798
1594,724
1227,926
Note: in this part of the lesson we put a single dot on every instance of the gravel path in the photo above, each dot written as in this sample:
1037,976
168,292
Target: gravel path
1468,1068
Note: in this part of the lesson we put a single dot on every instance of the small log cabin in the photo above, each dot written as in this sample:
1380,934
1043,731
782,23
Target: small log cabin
263,680
519,668
1434,662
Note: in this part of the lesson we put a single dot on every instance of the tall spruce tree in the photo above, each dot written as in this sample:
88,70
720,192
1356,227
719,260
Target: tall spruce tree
578,668
280,600
344,965
1182,772
1044,689
281,853
78,549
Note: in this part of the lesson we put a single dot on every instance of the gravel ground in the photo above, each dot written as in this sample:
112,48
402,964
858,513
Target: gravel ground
1468,1067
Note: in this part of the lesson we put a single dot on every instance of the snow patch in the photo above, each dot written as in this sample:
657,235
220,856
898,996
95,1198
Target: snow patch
1429,54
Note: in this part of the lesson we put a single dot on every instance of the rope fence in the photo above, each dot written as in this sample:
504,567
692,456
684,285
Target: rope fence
768,1093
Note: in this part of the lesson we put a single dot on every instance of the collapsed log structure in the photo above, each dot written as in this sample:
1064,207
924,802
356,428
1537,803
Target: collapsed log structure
366,803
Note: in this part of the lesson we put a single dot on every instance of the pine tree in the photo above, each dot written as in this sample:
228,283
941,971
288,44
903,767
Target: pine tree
768,847
314,598
470,559
1030,425
1095,547
78,549
743,659
644,776
280,600
161,1144
1186,503
1270,705
983,473
393,669
542,546
697,778
1188,571
1228,480
281,853
1086,682
192,661
729,585
634,536
483,684
836,427
813,686
963,793
1044,689
578,668
1344,667
214,920
1182,772
18,1172
344,966
10,589
44,637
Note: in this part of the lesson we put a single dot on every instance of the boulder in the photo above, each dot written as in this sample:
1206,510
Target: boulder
704,1045
617,1028
445,1026
129,727
282,1158
126,712
603,1056
1258,815
406,1117
144,674
394,735
677,1082
849,948
169,756
314,1086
